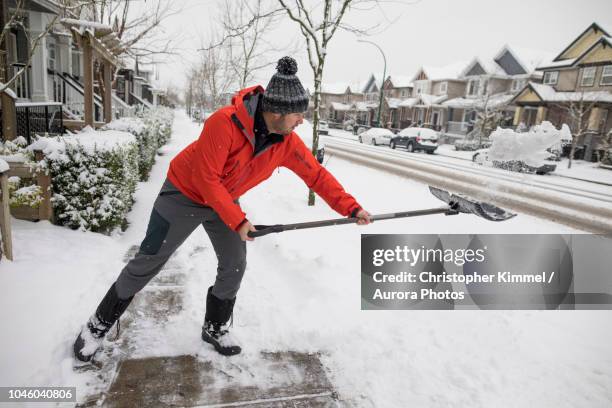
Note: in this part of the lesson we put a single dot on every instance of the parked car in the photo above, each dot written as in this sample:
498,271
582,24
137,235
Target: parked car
323,128
416,138
376,136
482,157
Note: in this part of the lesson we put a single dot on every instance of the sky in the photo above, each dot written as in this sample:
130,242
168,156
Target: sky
411,34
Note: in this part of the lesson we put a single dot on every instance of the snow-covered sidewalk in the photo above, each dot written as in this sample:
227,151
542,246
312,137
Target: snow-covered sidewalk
301,292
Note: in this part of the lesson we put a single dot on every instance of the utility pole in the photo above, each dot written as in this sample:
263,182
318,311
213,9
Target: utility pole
382,83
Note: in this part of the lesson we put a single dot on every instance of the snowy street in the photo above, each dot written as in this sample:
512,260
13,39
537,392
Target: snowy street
301,293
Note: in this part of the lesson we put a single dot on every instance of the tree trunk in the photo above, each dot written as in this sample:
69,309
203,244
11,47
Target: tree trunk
315,121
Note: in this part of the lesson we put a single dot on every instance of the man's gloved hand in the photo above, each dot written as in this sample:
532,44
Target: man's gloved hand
244,229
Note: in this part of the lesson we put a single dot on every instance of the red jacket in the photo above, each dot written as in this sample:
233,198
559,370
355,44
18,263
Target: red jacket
219,167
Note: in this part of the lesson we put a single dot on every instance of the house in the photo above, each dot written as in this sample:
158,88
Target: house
56,89
490,85
432,87
396,89
577,82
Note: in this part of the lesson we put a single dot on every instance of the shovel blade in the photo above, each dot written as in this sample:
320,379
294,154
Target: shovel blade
470,206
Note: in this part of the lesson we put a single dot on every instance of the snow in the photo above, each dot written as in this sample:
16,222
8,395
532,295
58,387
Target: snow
4,166
13,158
128,124
338,88
8,91
90,139
340,106
301,292
548,94
450,71
430,100
529,147
401,81
49,103
378,132
465,103
408,102
84,24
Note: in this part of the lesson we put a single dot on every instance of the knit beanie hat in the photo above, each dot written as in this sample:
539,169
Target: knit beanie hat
285,93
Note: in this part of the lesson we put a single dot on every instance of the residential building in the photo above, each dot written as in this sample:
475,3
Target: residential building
577,82
490,85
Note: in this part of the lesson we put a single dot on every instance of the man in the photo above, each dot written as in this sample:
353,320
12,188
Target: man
239,147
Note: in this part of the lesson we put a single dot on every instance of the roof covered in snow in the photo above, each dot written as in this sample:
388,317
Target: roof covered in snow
400,81
548,94
337,88
430,100
467,103
340,106
450,71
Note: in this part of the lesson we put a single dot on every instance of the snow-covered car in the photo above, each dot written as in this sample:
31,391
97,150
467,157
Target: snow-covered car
523,151
323,128
482,157
376,136
415,138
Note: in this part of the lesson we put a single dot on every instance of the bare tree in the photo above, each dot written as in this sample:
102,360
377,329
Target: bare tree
246,24
578,111
212,77
318,24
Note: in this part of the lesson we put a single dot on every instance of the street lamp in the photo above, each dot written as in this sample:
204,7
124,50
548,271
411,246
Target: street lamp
383,78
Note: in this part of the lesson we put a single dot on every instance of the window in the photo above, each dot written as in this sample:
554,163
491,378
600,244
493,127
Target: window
420,88
485,86
443,87
606,75
517,84
403,93
473,86
550,77
588,76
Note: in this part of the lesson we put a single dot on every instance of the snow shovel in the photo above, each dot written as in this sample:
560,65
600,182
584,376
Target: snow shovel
455,204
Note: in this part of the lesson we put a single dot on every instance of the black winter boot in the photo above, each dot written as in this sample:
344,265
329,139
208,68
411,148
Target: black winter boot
215,331
108,312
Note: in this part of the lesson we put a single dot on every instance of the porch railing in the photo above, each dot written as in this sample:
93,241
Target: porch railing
33,118
72,95
21,86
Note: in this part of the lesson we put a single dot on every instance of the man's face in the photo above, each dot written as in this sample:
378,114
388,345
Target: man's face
285,124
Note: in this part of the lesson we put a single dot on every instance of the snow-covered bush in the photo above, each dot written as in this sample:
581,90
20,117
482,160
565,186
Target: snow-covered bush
94,176
158,121
152,130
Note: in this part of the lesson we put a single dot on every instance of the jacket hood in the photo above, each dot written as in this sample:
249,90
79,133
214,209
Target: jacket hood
245,103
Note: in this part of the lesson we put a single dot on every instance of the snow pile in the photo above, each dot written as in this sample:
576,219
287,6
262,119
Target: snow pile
529,147
3,166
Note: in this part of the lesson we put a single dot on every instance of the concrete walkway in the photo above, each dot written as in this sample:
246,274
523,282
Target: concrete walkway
295,379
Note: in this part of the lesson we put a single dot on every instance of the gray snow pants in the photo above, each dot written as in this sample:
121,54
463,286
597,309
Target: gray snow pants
173,219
